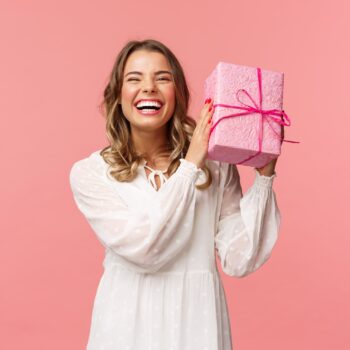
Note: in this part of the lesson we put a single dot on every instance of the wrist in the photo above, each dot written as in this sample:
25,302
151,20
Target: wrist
266,173
193,162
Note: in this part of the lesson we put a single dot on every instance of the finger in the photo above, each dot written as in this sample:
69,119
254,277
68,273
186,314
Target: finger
210,112
208,128
205,114
204,110
210,122
207,106
202,115
210,105
209,116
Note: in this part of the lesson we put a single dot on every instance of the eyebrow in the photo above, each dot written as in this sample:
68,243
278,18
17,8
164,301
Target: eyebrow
157,73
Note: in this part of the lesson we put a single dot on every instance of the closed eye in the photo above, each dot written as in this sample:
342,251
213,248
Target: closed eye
135,79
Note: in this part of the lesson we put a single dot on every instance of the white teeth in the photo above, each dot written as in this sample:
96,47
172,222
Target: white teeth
148,103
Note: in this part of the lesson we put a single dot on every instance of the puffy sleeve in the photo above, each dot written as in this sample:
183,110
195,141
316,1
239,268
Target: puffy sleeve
248,224
149,237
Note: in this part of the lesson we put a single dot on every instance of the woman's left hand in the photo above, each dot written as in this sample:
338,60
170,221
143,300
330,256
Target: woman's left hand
269,168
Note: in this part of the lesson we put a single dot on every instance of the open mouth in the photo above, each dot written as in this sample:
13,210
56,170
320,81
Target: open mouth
149,108
145,106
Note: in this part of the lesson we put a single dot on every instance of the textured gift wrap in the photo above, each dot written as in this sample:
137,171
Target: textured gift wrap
236,139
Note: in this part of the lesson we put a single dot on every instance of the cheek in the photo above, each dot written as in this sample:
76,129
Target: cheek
127,94
170,94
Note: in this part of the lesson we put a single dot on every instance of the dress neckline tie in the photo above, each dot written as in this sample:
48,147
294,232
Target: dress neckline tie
154,172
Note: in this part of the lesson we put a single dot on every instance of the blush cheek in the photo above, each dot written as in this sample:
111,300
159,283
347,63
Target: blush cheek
128,95
170,97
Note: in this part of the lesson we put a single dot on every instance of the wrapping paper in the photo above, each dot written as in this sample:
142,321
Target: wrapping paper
236,139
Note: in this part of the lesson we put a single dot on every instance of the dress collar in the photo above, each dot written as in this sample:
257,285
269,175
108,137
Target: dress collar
154,172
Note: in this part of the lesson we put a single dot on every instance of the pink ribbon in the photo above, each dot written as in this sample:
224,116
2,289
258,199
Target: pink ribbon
274,114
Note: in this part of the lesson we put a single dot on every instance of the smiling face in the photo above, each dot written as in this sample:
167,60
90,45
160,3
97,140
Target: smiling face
147,76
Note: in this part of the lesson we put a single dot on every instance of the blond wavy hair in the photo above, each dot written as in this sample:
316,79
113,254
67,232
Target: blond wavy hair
120,153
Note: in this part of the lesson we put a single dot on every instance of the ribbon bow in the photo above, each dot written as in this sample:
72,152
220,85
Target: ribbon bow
154,172
274,114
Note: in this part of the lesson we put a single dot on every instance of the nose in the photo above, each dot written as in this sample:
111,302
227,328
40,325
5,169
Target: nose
148,85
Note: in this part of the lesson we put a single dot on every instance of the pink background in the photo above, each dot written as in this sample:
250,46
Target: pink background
55,60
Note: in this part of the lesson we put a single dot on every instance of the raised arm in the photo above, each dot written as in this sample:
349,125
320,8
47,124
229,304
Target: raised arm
248,225
149,237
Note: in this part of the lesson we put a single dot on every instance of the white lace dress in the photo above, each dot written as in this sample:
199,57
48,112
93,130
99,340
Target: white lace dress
161,288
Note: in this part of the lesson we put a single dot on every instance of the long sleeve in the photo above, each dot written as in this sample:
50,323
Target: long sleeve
149,237
248,224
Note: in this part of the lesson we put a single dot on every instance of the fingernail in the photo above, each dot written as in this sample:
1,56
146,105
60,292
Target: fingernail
210,109
205,101
209,99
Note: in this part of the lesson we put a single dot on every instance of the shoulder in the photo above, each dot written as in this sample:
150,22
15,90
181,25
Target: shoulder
87,169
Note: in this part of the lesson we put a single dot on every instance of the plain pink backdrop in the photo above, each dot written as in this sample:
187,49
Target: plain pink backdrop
55,60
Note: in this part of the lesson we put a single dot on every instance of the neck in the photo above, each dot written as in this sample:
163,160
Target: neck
153,145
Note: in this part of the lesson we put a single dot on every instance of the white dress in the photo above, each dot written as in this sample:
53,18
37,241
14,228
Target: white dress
161,288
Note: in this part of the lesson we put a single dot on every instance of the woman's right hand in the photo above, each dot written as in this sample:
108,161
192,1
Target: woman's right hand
198,149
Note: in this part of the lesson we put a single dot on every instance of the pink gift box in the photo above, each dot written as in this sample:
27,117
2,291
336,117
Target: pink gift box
254,137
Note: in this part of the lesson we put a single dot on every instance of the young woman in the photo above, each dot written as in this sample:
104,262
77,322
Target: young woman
161,210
